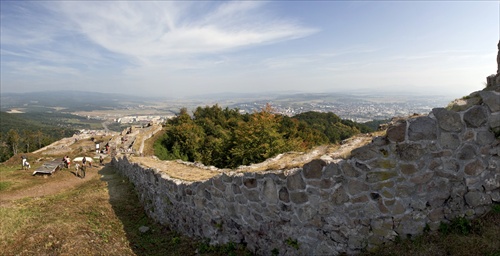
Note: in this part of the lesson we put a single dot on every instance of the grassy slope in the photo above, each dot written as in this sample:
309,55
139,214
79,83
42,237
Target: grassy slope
101,216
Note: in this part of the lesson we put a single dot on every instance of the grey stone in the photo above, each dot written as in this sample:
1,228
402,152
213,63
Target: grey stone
365,153
295,181
491,99
339,196
284,195
250,183
236,189
485,137
474,168
348,170
449,140
298,197
397,133
467,152
383,163
355,187
143,229
408,169
219,184
448,120
314,169
422,128
409,152
251,195
422,178
495,196
269,192
476,198
494,120
476,116
331,170
373,177
410,224
492,182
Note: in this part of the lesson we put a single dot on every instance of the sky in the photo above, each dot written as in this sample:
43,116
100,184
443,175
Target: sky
183,48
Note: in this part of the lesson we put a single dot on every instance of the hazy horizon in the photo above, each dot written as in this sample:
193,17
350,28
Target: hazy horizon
184,49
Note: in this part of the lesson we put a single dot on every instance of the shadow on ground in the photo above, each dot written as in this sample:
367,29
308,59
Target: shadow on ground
144,235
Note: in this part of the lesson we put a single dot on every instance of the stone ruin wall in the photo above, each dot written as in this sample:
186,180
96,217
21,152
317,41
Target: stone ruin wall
426,170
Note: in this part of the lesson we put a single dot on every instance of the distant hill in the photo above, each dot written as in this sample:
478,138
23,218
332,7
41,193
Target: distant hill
70,100
35,132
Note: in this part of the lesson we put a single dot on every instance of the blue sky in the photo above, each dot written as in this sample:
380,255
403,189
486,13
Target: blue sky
180,48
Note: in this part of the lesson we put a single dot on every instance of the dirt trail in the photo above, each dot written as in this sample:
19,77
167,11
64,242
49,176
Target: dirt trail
65,179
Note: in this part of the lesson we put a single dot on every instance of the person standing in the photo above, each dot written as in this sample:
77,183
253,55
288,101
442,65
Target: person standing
23,163
84,161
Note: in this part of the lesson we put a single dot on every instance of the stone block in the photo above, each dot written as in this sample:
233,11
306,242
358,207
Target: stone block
362,167
295,181
314,169
252,195
355,187
449,140
250,183
219,184
339,196
485,137
410,224
474,168
360,199
422,128
332,169
448,120
397,133
491,99
476,198
284,195
269,192
422,178
476,116
494,120
365,153
373,177
436,214
349,170
407,169
467,152
495,196
298,197
382,185
409,152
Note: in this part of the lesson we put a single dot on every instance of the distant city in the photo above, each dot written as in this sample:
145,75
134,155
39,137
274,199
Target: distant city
126,109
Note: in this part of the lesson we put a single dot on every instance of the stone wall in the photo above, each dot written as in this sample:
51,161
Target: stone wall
426,170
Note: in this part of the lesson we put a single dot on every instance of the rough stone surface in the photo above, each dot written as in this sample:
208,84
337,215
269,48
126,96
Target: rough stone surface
448,120
422,128
476,116
491,99
439,167
397,132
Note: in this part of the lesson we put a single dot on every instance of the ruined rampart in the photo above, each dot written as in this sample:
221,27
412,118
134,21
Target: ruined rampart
426,170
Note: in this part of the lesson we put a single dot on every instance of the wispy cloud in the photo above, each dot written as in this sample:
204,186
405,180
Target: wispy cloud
168,29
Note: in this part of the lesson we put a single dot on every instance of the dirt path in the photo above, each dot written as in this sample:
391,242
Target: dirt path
62,180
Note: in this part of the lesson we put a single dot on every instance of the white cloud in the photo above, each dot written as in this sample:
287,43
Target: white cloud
147,30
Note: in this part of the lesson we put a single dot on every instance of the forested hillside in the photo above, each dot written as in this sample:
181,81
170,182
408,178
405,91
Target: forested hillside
226,138
19,134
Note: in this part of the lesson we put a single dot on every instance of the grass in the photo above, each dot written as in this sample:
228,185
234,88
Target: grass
100,216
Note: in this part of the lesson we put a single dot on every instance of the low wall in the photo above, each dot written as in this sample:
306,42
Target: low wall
426,170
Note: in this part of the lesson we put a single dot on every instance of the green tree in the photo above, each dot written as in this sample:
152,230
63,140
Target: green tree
13,140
